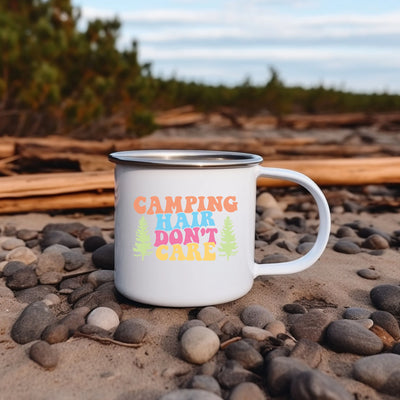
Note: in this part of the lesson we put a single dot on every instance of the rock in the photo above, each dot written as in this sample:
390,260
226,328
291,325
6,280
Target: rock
245,354
10,229
205,382
284,244
5,292
23,278
308,351
97,278
252,332
281,351
388,322
308,238
103,257
27,234
90,231
23,254
56,248
51,299
92,243
114,306
356,313
49,262
345,231
375,242
381,372
396,348
35,293
256,315
12,243
44,354
232,374
260,244
51,278
274,258
386,298
366,323
210,368
346,247
272,213
95,330
31,322
281,372
296,224
131,331
73,260
75,319
80,292
199,344
232,327
262,228
266,200
58,237
314,385
368,273
73,228
190,394
189,324
310,326
294,308
350,337
247,391
104,318
12,266
32,243
366,232
305,247
210,315
55,333
276,327
217,330
73,283
97,298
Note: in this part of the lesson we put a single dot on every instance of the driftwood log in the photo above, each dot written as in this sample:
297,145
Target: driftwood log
95,189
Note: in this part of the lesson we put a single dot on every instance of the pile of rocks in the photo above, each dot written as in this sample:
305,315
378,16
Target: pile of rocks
66,275
256,354
294,236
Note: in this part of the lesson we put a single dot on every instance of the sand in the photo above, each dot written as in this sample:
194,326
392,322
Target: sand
91,370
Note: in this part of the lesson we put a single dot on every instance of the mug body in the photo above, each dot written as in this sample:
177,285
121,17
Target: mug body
184,236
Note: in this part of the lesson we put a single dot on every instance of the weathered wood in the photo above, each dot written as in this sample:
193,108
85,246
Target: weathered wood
330,150
55,183
66,201
41,192
346,171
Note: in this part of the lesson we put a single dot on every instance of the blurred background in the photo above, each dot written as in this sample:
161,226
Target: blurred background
94,69
346,45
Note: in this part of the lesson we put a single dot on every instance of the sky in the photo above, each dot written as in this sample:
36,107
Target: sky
342,44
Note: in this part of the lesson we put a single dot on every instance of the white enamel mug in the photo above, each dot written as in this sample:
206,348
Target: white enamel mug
185,225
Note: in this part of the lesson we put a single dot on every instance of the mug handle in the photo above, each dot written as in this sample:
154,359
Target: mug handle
312,256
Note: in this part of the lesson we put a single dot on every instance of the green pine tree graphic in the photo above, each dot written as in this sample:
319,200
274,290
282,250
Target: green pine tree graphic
142,245
228,245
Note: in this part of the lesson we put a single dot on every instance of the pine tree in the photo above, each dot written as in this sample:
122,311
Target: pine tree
228,240
142,244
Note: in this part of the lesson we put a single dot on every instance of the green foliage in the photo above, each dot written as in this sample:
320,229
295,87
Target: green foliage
143,244
50,67
228,245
